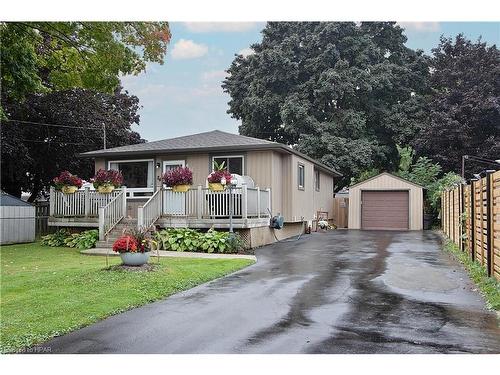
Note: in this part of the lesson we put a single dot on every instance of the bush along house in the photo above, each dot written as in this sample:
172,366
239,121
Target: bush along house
268,179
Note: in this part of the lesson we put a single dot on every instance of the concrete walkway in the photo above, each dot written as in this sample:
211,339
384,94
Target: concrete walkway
175,254
335,292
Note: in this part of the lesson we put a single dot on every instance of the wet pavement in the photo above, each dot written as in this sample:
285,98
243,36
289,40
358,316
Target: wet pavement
336,292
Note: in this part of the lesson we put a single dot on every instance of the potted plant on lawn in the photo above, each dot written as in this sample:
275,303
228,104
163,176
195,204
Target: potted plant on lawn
68,183
134,246
217,176
179,179
105,181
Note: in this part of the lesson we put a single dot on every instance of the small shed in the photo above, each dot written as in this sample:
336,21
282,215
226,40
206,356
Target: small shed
17,220
386,202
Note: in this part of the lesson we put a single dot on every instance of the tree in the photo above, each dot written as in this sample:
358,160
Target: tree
46,56
464,109
331,89
42,65
32,153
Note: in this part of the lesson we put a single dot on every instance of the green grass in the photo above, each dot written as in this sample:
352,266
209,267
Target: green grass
46,292
489,286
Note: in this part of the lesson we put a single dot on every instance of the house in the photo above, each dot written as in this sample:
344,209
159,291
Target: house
278,180
17,220
386,202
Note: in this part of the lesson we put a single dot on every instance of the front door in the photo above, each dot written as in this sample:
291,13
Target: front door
173,203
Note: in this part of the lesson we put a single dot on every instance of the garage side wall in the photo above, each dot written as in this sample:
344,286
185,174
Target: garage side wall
386,183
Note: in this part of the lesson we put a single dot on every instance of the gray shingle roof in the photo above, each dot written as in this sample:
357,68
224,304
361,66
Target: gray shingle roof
9,200
215,140
207,140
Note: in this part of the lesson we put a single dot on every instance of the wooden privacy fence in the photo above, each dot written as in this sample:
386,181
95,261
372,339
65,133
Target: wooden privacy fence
340,211
470,217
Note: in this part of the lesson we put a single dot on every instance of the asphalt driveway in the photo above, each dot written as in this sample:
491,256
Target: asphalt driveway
336,292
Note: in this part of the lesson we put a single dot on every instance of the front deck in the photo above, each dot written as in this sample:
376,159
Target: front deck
197,208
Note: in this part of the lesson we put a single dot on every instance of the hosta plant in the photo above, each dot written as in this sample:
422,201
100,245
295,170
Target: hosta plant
84,240
55,239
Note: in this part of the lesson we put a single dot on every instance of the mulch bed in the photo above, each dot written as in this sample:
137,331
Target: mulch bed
148,267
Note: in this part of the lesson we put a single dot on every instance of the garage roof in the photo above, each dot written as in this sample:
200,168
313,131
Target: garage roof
388,174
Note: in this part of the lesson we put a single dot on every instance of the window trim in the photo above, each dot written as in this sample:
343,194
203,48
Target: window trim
229,156
299,186
317,179
130,191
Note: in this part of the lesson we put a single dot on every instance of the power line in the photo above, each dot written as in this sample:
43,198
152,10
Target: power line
54,125
66,143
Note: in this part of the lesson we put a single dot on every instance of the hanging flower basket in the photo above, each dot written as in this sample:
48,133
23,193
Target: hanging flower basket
67,183
106,181
105,189
179,179
215,186
181,188
68,189
214,179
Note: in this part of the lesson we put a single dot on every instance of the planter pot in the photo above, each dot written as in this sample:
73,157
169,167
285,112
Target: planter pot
215,186
181,188
427,221
68,189
105,189
134,259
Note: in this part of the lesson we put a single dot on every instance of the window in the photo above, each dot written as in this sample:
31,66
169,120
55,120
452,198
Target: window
137,174
234,164
301,176
317,183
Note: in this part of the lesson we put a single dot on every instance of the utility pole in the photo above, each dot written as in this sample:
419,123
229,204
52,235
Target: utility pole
104,134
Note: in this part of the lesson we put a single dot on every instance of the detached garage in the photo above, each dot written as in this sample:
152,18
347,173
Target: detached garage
386,202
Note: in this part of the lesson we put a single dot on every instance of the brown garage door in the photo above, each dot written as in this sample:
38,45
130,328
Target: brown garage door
384,210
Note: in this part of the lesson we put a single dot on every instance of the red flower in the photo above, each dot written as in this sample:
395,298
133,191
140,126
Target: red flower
66,178
126,244
178,176
216,176
107,177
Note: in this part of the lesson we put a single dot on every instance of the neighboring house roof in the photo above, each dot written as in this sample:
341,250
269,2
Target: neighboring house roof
387,174
212,141
9,200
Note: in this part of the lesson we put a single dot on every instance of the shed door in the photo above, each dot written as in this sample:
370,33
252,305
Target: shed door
384,210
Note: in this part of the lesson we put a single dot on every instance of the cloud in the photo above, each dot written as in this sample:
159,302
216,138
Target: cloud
217,75
187,49
246,52
213,27
421,27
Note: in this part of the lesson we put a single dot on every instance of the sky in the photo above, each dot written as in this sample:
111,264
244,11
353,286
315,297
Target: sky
184,95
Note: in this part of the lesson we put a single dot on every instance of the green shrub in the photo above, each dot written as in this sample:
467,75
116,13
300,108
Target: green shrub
55,239
185,239
84,240
178,239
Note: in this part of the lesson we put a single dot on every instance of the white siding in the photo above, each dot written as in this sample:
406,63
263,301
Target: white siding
18,224
386,182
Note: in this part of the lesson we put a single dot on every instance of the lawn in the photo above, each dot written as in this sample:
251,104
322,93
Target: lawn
46,292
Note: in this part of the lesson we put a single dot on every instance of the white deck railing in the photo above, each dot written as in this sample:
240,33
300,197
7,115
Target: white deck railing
112,213
82,203
150,211
203,203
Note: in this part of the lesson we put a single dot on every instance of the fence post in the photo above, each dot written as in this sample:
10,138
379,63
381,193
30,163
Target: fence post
244,201
489,220
140,217
87,201
473,218
258,202
124,201
52,201
199,202
269,201
101,223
